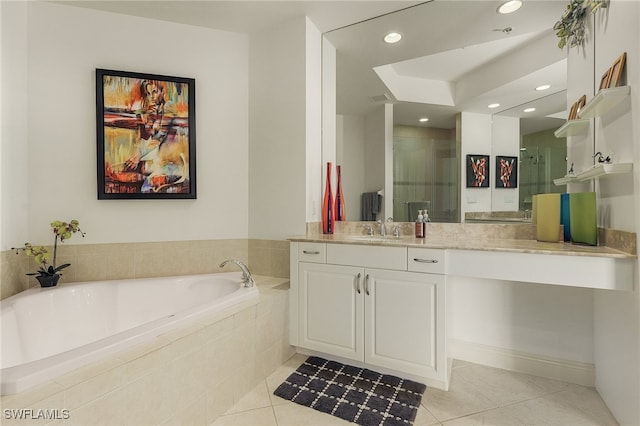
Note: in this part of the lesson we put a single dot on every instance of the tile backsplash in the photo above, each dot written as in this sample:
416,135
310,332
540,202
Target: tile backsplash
95,262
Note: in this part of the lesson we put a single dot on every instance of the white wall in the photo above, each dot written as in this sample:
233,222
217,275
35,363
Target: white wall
617,315
505,141
61,133
279,113
329,133
314,109
14,173
484,134
374,152
537,319
350,150
475,139
580,81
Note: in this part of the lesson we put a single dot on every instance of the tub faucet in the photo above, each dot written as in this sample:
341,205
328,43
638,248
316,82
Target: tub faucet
247,278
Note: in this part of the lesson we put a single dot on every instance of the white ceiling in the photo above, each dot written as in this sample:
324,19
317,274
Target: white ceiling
247,17
458,42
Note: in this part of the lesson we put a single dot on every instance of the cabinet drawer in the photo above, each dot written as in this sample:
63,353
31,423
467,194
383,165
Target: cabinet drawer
312,252
368,256
425,260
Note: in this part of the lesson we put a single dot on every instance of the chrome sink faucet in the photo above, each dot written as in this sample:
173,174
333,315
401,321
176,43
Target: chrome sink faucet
247,278
383,228
369,229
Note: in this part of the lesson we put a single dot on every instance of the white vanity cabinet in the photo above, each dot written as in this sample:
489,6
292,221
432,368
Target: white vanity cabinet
404,322
331,309
363,305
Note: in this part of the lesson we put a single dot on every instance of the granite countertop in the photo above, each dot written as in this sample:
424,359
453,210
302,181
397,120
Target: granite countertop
474,242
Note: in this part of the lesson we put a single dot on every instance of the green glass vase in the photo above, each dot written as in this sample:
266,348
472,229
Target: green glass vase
583,218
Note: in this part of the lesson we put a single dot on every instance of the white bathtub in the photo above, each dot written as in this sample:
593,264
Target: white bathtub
47,332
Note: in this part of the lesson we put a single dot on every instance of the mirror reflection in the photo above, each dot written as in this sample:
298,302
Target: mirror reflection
543,156
439,72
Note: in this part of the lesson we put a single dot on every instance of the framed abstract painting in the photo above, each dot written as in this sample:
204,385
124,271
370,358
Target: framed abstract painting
477,171
146,140
506,172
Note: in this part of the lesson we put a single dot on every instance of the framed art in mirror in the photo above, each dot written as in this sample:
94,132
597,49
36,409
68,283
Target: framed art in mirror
477,171
506,172
146,146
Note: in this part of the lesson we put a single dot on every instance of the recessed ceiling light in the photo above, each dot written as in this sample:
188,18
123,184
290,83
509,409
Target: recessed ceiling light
392,38
493,106
510,6
543,87
424,120
529,109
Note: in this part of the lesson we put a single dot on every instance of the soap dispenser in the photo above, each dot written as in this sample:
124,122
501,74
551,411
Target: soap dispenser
419,225
425,220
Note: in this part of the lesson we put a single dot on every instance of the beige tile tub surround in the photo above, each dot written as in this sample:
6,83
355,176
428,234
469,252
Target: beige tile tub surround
94,262
187,376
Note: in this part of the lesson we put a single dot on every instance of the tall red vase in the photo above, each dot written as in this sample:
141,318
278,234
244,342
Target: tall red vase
328,213
340,213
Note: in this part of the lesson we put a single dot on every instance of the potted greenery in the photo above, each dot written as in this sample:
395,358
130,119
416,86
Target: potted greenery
571,27
48,276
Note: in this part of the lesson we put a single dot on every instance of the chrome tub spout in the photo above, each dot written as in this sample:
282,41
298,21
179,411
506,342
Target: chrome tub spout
247,278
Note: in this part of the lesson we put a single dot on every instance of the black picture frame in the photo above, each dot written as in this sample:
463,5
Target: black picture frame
146,136
506,172
477,171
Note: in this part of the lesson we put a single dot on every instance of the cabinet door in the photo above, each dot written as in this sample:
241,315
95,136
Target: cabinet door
331,309
404,322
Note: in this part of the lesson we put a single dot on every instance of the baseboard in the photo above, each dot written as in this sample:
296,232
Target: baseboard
580,373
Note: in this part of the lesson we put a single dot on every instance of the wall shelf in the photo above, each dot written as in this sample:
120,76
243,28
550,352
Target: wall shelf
602,170
565,180
604,101
594,172
572,128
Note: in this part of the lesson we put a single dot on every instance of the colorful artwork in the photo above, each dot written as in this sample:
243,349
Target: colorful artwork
506,172
146,135
477,171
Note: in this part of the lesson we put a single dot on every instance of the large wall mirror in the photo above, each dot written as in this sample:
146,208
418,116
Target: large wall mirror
454,57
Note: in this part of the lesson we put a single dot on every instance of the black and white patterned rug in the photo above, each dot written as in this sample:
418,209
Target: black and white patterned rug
354,394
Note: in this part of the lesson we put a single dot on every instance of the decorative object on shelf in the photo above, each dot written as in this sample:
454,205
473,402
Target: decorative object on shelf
48,276
582,215
601,158
328,213
605,80
146,136
477,171
613,75
570,29
339,209
547,217
506,172
616,70
574,112
565,218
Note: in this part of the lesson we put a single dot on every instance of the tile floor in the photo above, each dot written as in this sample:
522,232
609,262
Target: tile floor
478,395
